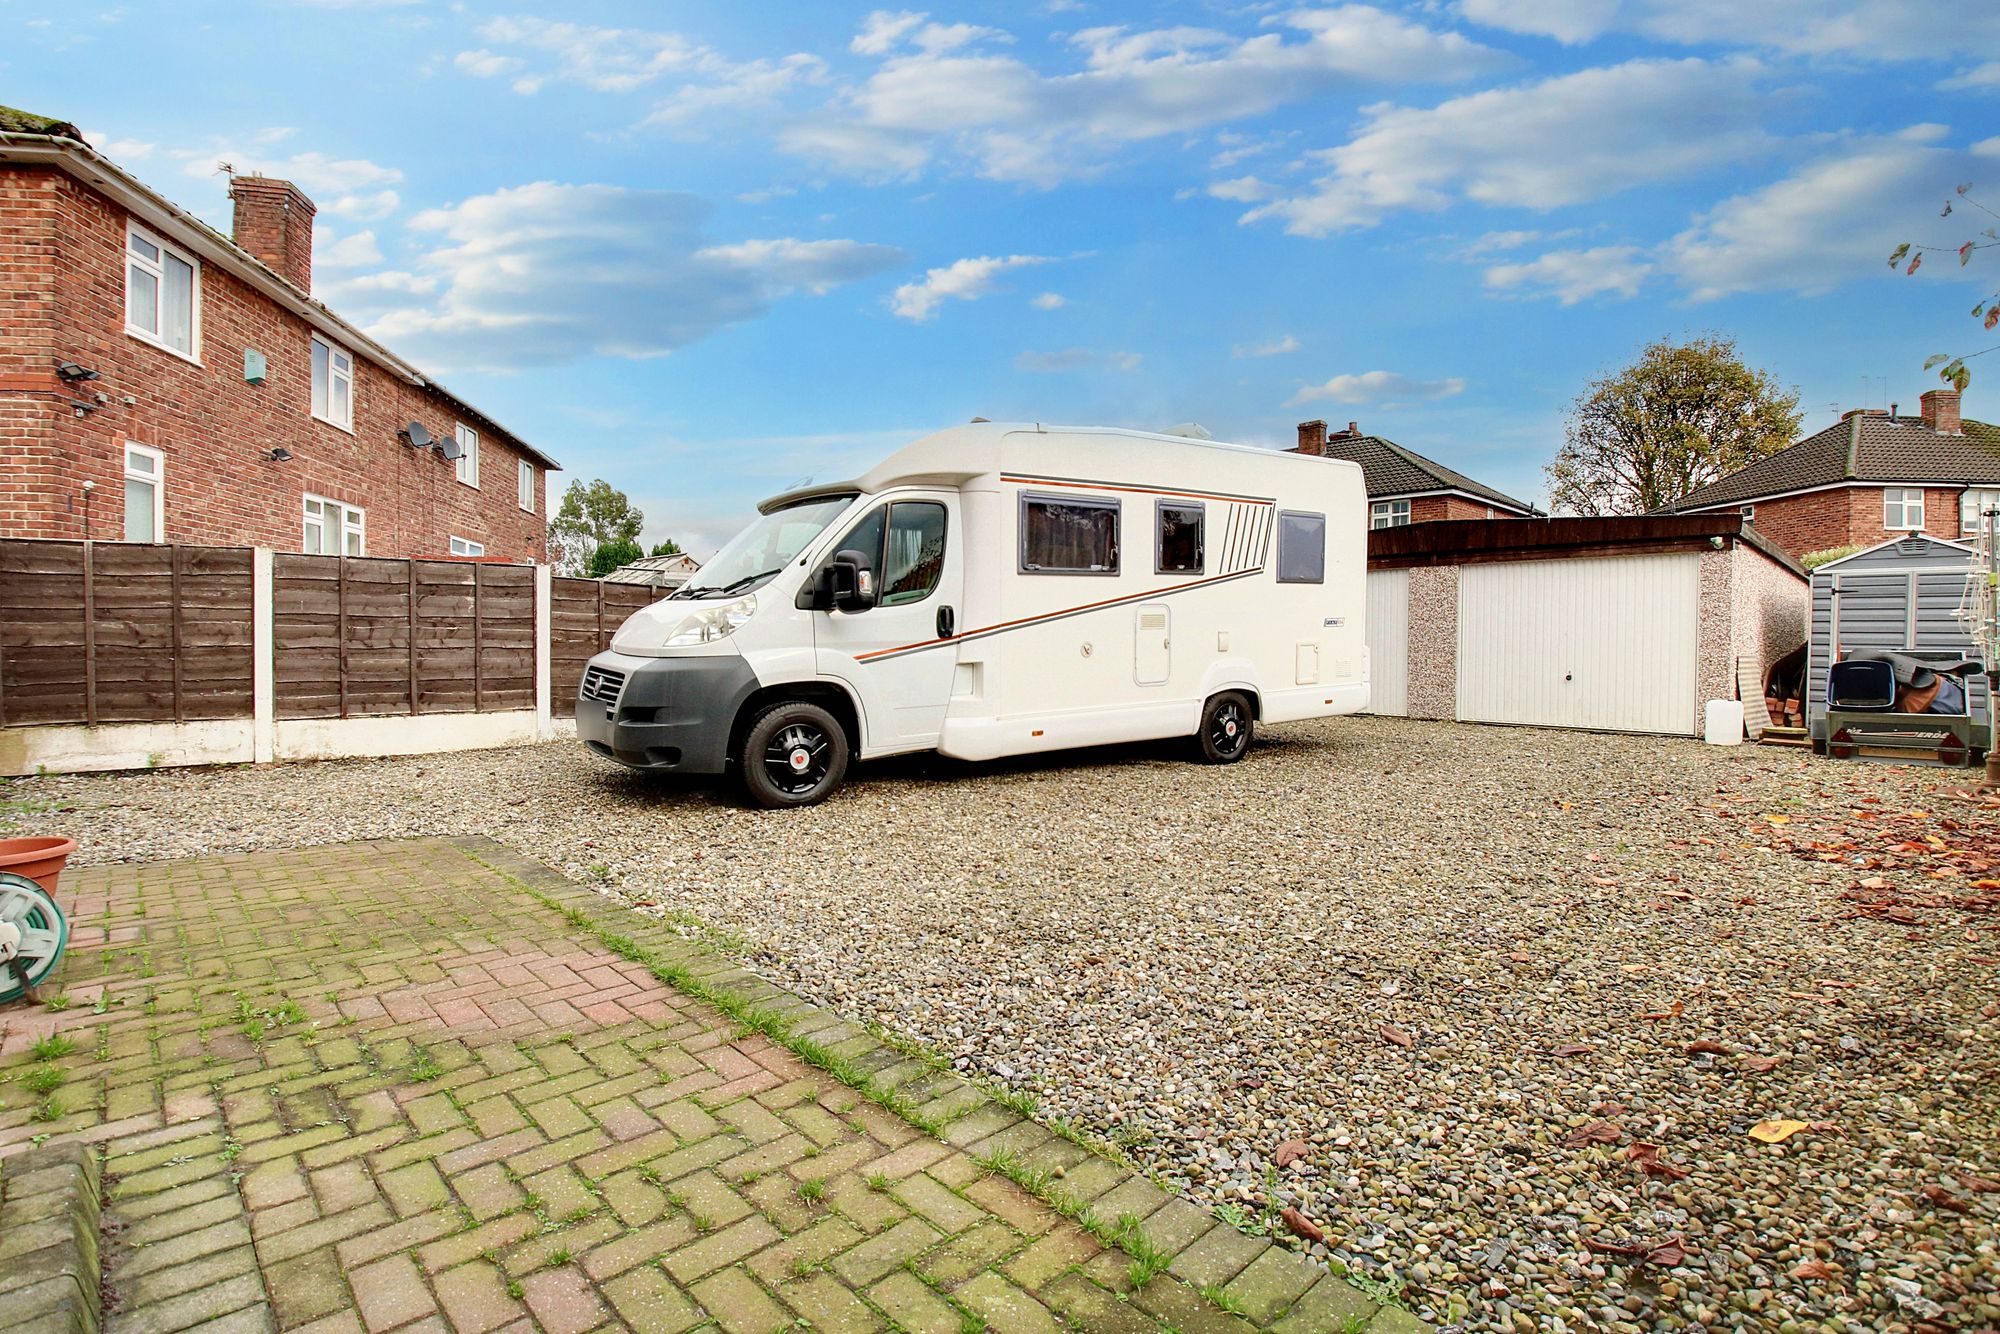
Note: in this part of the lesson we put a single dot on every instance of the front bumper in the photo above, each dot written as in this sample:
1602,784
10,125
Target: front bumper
666,715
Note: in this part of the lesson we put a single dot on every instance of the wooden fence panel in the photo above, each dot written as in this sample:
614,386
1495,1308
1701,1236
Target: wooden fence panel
583,616
108,632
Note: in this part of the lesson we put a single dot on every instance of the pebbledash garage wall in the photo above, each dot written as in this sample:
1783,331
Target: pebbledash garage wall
1603,624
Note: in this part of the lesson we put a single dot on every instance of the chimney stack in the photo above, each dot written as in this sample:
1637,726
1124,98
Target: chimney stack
1353,430
274,222
1940,411
1312,438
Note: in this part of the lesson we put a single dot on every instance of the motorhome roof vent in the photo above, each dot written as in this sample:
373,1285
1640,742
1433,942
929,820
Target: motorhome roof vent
1189,430
977,420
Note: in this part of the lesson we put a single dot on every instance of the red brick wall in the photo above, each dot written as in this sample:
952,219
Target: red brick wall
1431,509
1847,516
212,426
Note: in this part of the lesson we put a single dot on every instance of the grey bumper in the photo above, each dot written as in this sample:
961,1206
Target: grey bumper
670,715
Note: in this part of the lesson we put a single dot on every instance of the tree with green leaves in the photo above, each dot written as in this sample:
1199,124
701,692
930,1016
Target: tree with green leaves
610,556
1680,417
1909,256
666,548
592,515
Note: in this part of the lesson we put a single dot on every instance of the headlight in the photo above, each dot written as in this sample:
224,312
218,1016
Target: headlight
713,623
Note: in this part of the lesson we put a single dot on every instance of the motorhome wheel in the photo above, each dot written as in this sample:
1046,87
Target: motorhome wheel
794,754
1226,726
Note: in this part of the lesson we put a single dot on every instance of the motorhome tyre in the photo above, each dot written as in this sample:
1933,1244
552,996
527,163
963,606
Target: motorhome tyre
794,754
1226,727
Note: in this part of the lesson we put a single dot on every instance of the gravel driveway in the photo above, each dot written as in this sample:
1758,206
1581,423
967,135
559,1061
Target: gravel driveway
1523,995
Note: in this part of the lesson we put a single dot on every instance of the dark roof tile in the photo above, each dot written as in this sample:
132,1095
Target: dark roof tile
1392,470
1861,449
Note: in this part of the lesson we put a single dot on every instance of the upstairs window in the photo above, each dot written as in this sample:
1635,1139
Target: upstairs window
1301,547
332,384
334,529
468,455
1973,506
465,546
1903,509
161,292
1393,514
143,468
525,484
1179,548
1069,535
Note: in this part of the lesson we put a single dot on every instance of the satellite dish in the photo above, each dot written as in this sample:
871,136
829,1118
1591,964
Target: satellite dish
416,436
451,449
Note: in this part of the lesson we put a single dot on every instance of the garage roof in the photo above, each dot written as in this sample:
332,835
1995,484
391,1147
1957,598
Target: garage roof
1471,541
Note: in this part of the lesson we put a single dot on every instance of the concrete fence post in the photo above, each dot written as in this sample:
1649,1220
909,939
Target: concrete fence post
545,726
263,656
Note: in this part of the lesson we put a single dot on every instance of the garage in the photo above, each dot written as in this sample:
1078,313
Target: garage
1625,624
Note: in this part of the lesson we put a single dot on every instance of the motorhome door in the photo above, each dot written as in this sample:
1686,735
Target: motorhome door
899,653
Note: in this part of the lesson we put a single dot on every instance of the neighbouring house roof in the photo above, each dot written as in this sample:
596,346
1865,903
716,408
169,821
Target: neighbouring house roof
1391,470
659,571
1473,541
1862,449
27,137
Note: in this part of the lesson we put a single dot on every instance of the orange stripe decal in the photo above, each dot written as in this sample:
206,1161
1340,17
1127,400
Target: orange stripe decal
1136,490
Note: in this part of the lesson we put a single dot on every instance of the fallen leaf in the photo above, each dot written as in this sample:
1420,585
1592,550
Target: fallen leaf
1300,1225
1979,1185
1597,1132
1779,819
1763,1065
1671,1012
1668,1253
1646,1157
1776,1132
1391,1033
1711,1048
1290,1152
1944,1199
1573,1049
1812,1269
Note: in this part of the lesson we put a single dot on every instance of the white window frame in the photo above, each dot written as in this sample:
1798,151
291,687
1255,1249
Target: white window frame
158,271
467,462
1392,514
1898,498
333,372
465,546
157,479
352,519
525,485
1970,520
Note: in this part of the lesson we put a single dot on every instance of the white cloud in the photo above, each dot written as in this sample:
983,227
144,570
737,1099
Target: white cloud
1076,359
883,30
1277,347
355,251
548,273
1978,77
1864,29
484,64
1050,301
755,83
1377,387
1575,275
1564,140
118,150
1010,121
964,280
1243,190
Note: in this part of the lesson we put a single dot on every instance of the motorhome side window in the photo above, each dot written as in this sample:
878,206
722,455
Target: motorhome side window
1301,547
914,557
1069,535
1180,533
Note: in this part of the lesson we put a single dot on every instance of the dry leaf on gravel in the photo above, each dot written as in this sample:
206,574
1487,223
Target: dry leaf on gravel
1391,1033
1646,1157
1597,1132
1708,1047
1290,1152
1762,1065
1979,1185
1776,1132
1812,1269
1671,1012
1944,1199
1300,1225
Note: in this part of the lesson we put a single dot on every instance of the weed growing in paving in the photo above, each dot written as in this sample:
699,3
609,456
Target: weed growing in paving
876,1181
52,1047
1381,1289
51,1109
424,1066
1218,1296
559,1256
44,1079
812,1190
1129,1235
57,1004
514,1289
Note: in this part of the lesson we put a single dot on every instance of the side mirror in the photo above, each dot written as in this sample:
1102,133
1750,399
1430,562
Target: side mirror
853,582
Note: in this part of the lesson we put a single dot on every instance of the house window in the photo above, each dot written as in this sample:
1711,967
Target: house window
144,473
1393,514
1903,509
1301,547
525,484
1973,506
162,294
1178,542
1069,535
468,455
465,546
333,384
334,529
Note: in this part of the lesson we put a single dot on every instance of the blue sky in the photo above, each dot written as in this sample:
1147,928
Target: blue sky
707,250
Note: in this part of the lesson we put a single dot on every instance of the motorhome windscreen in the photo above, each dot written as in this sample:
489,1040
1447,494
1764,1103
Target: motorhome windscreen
765,547
1069,535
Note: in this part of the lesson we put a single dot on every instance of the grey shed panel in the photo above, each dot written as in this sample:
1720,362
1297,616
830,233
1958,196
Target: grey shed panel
1904,595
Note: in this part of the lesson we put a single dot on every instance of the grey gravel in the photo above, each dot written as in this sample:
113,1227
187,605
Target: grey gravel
1202,963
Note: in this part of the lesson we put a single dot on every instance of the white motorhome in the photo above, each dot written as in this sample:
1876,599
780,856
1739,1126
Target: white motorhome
997,590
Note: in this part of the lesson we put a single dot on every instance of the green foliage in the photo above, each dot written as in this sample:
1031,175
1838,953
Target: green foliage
592,515
1812,560
610,556
1680,417
666,548
1986,310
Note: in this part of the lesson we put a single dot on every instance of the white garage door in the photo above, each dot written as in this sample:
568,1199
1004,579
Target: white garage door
1389,641
1607,643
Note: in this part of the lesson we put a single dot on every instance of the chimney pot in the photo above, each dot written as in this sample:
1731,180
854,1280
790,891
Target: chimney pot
1940,411
274,221
1312,438
1354,428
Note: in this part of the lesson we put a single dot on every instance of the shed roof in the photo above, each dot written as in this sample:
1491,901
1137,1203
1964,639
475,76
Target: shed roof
1863,448
1465,541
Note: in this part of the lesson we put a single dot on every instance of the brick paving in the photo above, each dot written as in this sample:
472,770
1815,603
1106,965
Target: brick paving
431,1086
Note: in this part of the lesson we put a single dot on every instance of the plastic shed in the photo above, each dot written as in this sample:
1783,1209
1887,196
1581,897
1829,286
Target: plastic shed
1904,595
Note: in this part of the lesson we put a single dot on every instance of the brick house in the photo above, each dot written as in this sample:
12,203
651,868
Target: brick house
1404,487
1869,477
160,382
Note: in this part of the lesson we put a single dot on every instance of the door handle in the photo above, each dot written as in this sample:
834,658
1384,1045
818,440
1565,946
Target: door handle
946,622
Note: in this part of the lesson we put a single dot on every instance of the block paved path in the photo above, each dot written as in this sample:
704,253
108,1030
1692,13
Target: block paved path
432,1086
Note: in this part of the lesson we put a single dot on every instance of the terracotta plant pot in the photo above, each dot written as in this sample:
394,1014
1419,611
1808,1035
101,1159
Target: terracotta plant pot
39,859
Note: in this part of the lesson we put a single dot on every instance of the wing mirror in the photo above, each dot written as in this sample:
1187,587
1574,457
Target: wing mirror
852,582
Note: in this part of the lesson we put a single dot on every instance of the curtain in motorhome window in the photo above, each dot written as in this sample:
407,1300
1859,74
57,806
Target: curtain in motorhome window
1301,547
1180,536
914,557
1069,535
